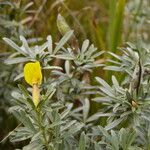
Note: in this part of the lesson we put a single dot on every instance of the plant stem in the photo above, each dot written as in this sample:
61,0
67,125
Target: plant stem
45,142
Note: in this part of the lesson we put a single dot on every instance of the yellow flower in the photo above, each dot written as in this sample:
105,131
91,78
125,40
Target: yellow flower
33,76
36,94
32,73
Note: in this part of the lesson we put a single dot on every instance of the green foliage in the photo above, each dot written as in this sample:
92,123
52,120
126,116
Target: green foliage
73,77
116,21
123,139
55,122
62,120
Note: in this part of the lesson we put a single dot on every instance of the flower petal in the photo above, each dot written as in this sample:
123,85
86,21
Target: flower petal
32,73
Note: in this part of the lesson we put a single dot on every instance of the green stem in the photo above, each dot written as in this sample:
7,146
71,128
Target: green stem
45,142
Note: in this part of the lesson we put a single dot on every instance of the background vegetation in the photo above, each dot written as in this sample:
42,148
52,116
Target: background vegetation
108,24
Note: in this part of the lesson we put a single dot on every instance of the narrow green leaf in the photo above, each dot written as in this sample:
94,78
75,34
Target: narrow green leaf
86,109
114,123
50,44
85,45
17,60
16,47
82,142
24,118
62,24
24,91
18,77
103,83
63,41
26,46
116,19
